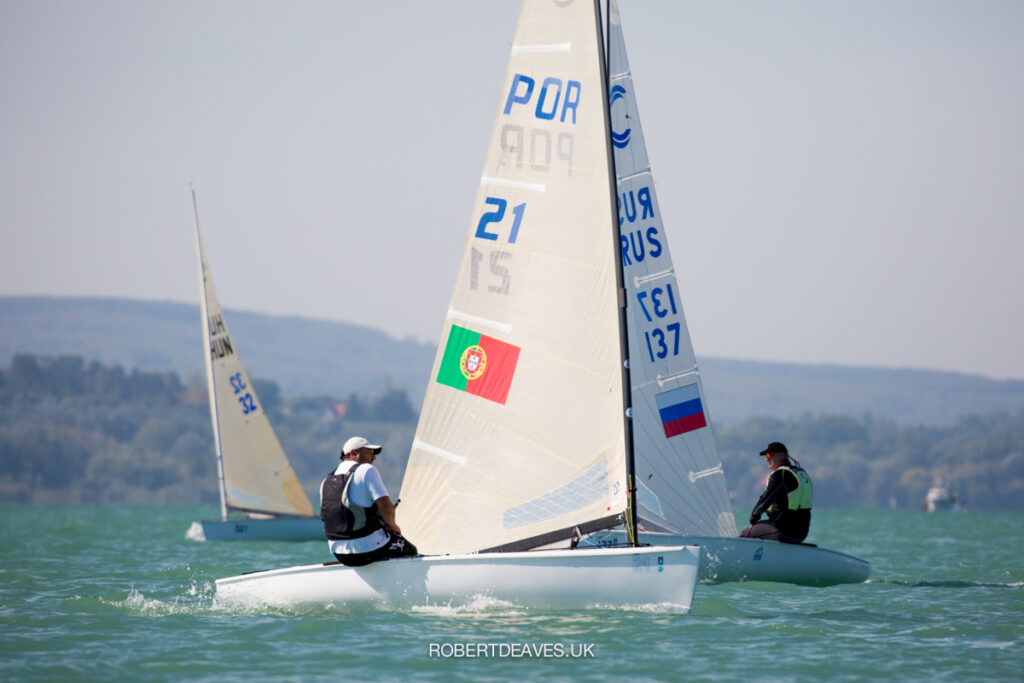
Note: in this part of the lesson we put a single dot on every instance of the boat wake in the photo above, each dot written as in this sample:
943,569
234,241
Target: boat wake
477,605
946,584
197,598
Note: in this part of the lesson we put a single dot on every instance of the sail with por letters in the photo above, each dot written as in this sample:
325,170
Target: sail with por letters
521,436
680,483
257,476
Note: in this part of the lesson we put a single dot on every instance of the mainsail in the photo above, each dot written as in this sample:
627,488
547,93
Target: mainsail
680,483
255,474
521,436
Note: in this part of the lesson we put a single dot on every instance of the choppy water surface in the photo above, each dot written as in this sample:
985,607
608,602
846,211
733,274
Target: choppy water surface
118,593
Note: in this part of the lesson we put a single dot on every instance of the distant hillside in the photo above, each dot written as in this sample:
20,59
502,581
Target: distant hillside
314,357
303,356
737,390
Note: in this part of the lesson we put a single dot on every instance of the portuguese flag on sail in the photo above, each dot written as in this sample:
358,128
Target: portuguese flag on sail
478,364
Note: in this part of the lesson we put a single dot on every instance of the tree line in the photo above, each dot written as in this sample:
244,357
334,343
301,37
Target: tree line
73,431
869,462
78,432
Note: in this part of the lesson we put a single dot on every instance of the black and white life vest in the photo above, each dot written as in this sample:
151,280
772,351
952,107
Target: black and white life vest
343,519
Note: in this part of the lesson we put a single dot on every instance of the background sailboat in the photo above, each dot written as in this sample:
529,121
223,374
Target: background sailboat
681,487
261,499
523,439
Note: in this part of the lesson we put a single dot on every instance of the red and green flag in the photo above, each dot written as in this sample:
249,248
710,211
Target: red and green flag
478,364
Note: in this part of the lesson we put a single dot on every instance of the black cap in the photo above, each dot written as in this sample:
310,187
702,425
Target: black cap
775,447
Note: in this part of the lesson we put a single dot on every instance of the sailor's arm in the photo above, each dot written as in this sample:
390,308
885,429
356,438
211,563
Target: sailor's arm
774,490
386,510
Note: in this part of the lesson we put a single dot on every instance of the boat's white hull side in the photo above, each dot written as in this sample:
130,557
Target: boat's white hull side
570,579
939,499
725,559
275,529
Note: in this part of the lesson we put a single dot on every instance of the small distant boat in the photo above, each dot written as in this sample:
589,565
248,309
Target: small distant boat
261,499
941,497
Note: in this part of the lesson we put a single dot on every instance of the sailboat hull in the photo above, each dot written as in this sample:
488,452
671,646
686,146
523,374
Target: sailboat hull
726,559
296,529
559,579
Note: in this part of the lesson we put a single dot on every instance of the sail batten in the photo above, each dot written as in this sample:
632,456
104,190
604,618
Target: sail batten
480,320
518,184
559,47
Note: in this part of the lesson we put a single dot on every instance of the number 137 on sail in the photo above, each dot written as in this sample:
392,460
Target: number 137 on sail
662,303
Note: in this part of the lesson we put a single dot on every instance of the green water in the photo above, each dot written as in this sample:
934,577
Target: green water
117,593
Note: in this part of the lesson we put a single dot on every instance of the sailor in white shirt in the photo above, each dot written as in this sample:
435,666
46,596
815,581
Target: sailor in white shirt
358,515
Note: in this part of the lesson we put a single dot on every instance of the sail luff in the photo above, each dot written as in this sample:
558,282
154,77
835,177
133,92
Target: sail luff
208,363
627,402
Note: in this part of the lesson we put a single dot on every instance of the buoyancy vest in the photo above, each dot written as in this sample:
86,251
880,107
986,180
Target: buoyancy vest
343,519
802,496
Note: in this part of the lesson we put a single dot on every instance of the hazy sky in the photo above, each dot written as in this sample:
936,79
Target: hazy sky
841,181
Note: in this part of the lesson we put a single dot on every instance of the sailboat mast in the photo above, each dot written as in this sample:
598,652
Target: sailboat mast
210,381
603,42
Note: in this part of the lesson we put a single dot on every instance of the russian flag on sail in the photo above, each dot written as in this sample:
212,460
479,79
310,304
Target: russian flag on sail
681,410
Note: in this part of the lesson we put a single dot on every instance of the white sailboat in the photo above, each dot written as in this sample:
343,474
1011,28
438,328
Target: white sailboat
523,439
682,495
261,499
941,497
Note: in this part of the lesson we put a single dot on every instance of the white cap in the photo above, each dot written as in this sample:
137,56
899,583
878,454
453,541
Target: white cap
357,442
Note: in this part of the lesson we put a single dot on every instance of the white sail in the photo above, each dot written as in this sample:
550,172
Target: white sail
256,477
521,436
680,483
